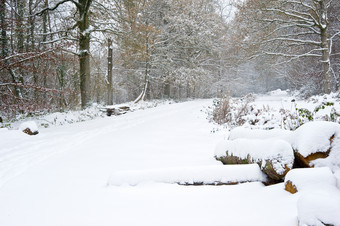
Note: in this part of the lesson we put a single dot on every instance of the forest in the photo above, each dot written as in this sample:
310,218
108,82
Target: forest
59,55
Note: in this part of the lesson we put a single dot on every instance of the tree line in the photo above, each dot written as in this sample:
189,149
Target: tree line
66,54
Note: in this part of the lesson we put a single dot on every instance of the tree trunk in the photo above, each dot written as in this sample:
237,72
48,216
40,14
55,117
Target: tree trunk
84,52
4,41
167,89
326,62
4,44
109,73
143,93
20,5
325,47
44,39
31,45
44,21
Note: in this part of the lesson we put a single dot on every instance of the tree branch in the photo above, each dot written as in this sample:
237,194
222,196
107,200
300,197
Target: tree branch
56,6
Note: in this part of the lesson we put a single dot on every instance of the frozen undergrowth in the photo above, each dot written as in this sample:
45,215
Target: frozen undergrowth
275,110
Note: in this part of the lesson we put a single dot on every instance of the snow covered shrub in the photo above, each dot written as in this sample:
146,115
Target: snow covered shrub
221,110
285,112
327,112
324,111
232,111
290,120
304,115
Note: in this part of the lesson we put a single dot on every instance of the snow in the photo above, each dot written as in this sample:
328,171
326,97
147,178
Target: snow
314,137
95,111
319,203
60,176
259,150
190,175
337,176
319,207
246,133
124,170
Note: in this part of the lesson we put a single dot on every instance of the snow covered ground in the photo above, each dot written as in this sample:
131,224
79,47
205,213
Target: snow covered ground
63,175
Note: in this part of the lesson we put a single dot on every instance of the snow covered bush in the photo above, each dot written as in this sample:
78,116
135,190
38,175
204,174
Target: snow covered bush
324,111
231,111
234,112
222,110
260,112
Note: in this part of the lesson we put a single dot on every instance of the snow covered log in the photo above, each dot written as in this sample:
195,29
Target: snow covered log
116,109
317,144
319,207
308,179
275,157
198,175
29,127
319,203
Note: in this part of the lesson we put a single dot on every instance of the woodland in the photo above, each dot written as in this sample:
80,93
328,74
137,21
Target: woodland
59,55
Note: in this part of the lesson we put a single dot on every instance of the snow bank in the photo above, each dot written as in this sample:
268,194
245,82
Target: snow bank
241,132
70,117
275,95
337,176
319,207
218,174
311,178
279,152
279,92
314,137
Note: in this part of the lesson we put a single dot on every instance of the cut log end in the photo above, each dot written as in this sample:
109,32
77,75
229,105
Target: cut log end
290,187
29,132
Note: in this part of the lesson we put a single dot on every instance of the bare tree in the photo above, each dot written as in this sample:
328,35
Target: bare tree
301,29
82,23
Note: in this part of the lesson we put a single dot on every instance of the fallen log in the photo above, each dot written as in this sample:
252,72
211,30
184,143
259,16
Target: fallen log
116,110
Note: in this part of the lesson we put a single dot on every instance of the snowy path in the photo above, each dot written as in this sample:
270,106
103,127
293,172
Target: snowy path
60,176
